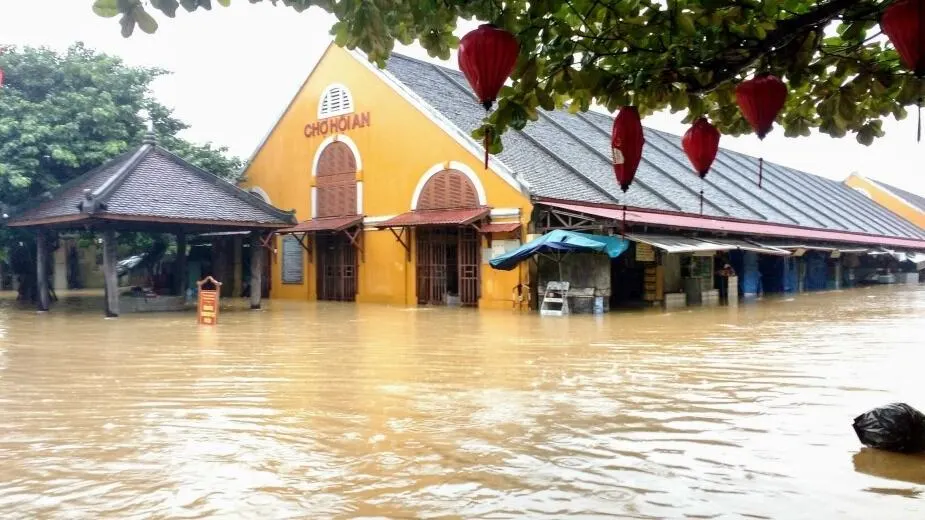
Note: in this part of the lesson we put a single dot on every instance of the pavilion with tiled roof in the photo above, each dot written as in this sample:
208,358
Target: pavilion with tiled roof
147,189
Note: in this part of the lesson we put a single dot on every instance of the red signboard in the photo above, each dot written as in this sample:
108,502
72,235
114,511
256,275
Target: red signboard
207,311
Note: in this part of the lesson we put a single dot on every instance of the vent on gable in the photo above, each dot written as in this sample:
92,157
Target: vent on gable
335,101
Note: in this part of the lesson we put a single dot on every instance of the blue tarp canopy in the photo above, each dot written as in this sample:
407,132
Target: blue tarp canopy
560,242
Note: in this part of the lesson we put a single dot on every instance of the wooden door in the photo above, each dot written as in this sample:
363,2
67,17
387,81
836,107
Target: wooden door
469,262
337,268
431,265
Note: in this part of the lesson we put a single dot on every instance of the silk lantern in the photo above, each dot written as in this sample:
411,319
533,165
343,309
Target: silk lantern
902,23
760,99
700,143
487,57
626,143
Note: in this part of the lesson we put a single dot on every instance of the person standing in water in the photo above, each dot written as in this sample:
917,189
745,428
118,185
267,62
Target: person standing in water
723,279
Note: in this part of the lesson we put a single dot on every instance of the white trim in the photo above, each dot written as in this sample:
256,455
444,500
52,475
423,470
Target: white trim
372,221
359,197
327,90
285,111
314,202
894,195
340,138
451,165
461,137
257,190
504,212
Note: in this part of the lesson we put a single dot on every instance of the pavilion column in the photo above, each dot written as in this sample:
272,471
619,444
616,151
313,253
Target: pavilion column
41,273
110,276
257,256
180,267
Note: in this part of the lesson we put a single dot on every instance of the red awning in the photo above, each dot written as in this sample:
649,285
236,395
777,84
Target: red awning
733,226
324,224
500,227
436,217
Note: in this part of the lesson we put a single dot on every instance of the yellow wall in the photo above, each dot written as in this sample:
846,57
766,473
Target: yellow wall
888,200
398,147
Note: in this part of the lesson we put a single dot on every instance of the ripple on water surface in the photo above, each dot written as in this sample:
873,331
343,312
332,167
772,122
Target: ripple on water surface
357,411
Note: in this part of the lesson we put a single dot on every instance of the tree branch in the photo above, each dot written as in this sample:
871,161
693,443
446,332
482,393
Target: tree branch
727,69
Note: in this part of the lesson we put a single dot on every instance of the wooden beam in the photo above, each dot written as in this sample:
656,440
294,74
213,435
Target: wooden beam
180,266
41,270
110,277
404,241
256,285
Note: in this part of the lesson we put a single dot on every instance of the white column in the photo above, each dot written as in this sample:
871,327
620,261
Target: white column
314,202
359,197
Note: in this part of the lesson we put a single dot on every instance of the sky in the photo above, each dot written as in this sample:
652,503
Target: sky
235,69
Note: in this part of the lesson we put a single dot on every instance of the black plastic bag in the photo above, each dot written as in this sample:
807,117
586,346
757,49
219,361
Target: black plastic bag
894,427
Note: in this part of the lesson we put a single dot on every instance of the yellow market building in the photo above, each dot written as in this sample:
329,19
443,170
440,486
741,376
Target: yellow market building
356,149
395,205
907,205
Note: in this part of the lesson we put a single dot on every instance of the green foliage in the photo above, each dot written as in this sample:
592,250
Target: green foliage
683,55
63,114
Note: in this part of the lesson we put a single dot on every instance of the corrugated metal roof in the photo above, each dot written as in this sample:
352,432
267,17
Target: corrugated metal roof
738,227
500,227
152,184
324,224
567,157
677,243
436,217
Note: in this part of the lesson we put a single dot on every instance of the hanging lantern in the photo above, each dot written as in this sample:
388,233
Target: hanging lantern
902,23
487,57
626,144
760,99
700,143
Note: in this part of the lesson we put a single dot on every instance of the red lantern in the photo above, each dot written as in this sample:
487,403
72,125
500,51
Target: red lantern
760,99
700,143
626,143
901,22
487,57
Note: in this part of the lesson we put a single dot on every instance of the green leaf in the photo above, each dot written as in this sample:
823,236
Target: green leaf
224,3
106,8
145,21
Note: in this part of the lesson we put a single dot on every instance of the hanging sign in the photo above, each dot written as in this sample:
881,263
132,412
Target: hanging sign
207,311
333,125
644,252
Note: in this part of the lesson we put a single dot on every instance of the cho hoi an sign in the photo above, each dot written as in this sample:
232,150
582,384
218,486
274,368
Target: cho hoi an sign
333,125
207,310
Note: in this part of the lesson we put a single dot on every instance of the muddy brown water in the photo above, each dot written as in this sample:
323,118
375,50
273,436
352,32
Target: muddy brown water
309,410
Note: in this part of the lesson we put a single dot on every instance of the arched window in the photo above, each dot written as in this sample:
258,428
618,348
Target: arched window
335,101
336,182
448,189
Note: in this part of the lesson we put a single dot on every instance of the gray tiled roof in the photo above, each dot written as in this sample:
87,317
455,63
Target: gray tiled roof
567,156
150,183
916,200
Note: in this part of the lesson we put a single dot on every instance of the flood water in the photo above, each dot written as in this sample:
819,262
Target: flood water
357,411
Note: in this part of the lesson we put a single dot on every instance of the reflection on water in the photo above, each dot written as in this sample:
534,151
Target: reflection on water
342,411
